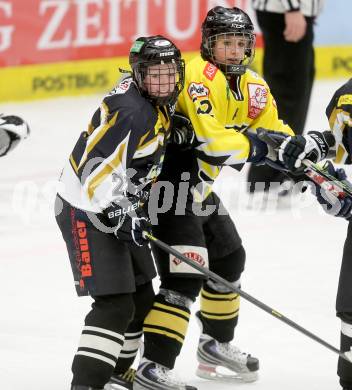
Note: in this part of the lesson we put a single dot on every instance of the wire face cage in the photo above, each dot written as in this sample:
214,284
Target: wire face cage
232,52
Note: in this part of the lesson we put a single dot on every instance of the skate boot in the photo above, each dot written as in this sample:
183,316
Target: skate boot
82,387
212,355
121,381
154,376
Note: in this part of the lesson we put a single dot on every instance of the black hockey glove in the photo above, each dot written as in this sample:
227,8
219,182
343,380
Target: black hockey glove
314,147
331,204
12,130
129,220
182,132
262,152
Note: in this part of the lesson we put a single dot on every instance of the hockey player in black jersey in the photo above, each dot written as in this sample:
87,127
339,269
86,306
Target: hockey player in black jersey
13,130
100,208
316,146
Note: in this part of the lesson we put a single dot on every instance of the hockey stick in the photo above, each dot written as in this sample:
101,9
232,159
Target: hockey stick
312,171
323,179
249,298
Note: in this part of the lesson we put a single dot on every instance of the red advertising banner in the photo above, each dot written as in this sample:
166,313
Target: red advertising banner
47,31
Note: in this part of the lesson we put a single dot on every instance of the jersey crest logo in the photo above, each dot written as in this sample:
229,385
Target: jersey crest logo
196,90
210,71
257,99
122,87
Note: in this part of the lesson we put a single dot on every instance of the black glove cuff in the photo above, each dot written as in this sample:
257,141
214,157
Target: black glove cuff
258,149
329,138
183,126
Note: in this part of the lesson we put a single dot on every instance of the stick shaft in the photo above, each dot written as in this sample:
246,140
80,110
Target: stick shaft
243,294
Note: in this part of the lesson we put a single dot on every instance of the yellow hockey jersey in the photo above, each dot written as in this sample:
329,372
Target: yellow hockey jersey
221,113
339,113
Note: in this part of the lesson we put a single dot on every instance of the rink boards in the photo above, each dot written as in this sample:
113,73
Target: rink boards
31,82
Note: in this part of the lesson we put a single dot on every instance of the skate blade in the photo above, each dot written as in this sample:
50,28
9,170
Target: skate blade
115,386
210,372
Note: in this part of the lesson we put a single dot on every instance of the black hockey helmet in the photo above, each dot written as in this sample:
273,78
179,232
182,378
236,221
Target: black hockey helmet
154,50
221,21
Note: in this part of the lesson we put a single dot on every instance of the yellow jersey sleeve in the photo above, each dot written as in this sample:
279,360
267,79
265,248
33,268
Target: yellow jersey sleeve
260,98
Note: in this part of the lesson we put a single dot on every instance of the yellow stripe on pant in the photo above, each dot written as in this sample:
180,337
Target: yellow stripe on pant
167,320
220,306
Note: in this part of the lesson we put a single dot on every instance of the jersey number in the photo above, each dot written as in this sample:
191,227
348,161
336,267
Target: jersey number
205,107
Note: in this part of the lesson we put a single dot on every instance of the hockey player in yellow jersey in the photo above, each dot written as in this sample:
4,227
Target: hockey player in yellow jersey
100,208
226,103
315,146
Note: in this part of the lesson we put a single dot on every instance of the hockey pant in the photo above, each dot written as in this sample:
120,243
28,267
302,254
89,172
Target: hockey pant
101,264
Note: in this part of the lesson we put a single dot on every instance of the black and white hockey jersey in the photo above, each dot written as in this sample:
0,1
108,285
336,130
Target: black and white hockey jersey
124,144
339,113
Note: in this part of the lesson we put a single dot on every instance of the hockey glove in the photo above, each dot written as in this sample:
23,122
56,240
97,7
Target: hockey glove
314,146
331,204
12,130
129,220
182,132
262,152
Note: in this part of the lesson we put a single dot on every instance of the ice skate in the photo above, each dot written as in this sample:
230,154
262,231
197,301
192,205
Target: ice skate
153,376
213,357
82,387
121,381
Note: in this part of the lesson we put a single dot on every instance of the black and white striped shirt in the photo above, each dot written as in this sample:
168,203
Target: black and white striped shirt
307,7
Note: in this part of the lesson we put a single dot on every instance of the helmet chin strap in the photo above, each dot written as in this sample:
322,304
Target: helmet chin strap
230,70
